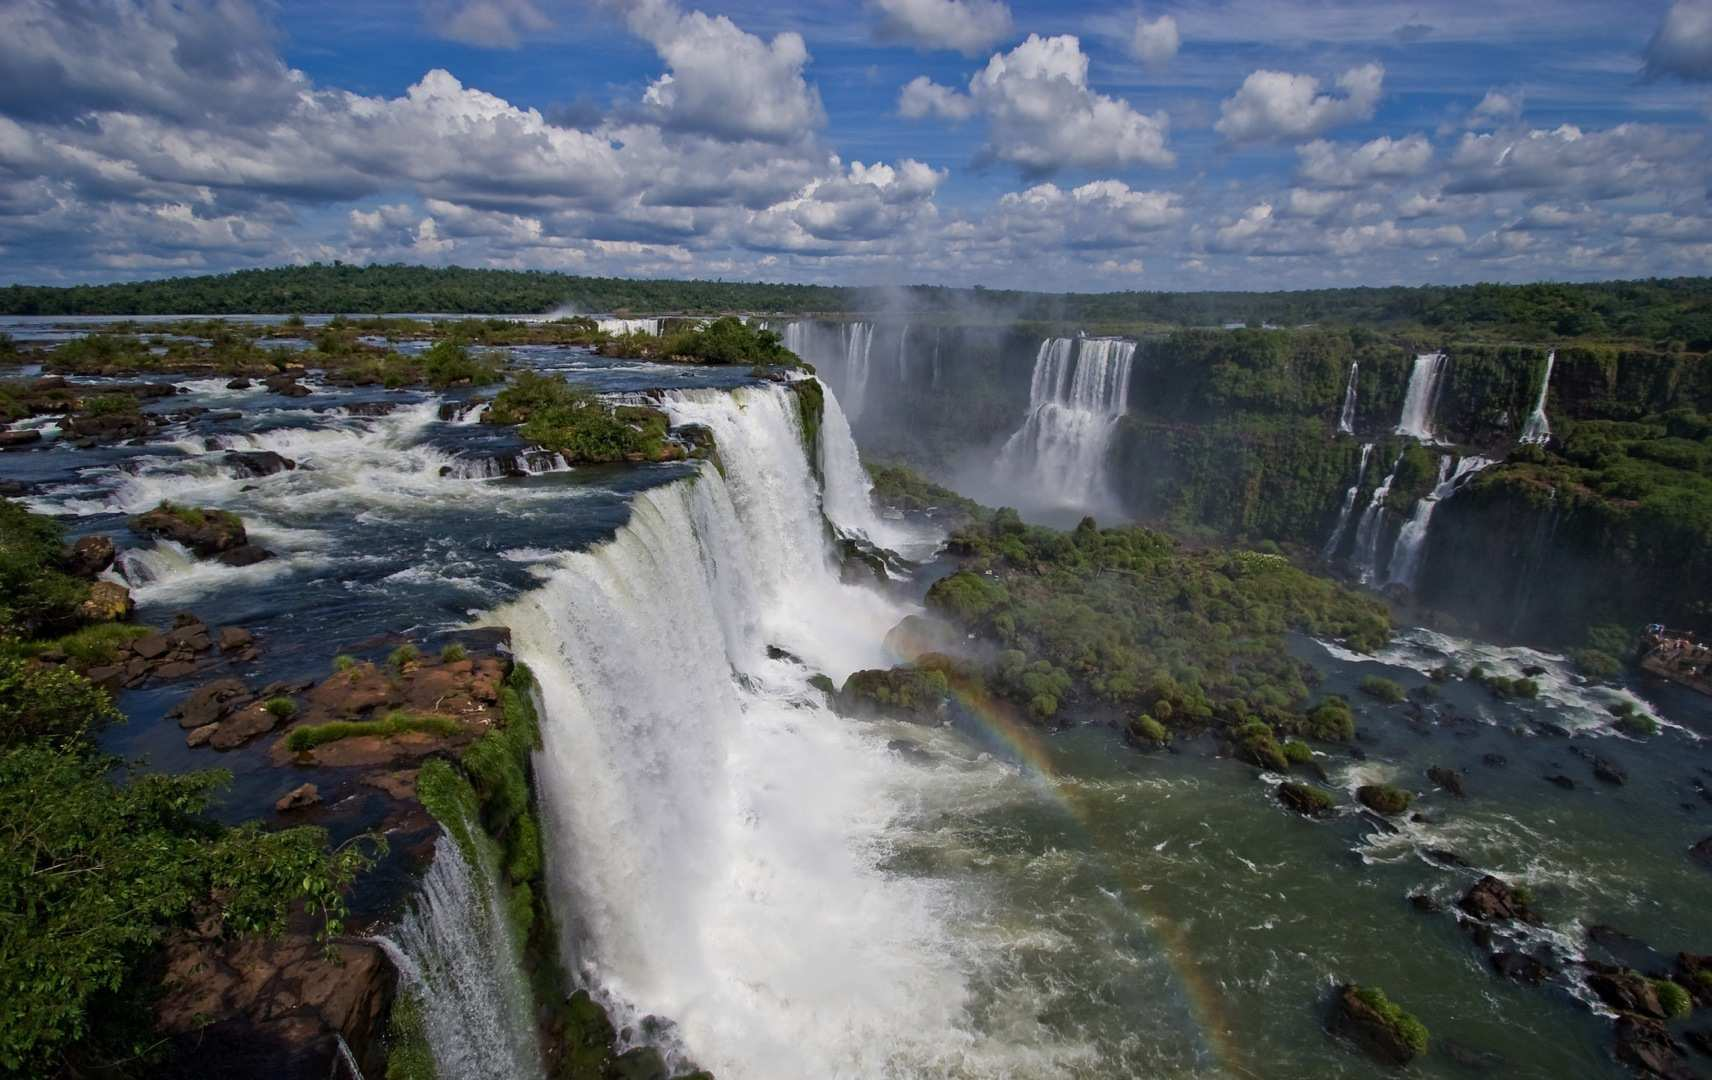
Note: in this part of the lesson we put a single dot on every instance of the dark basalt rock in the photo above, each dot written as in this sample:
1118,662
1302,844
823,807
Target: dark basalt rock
1363,1025
253,463
286,386
12,440
1625,991
1648,1047
1561,781
1605,770
1702,852
89,556
1445,857
1305,799
1423,903
209,703
1448,779
1520,967
207,537
1491,899
239,384
371,408
245,555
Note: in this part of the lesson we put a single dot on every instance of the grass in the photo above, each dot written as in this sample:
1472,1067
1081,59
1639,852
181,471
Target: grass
195,515
343,663
453,653
1378,686
1677,1004
281,707
402,655
311,736
91,646
1410,1030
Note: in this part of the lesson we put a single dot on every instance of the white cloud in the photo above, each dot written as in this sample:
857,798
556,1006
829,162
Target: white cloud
1328,165
1099,214
1682,45
966,26
1279,105
1624,160
1042,116
1497,107
724,81
493,24
922,97
1154,42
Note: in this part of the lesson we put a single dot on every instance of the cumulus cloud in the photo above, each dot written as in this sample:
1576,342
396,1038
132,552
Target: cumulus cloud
1272,105
723,81
966,26
1096,215
1042,116
922,97
1682,44
1328,165
1260,230
493,24
1154,42
1623,160
1497,107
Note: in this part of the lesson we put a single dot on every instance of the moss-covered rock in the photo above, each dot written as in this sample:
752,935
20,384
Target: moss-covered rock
1306,799
1382,689
907,693
1385,799
1370,1020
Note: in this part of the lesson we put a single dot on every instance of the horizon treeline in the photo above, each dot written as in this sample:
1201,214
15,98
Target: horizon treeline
1677,311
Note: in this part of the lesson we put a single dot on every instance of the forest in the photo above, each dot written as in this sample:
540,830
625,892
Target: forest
1675,310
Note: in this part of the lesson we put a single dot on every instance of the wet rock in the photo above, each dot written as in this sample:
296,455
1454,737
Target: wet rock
1561,781
298,798
638,1063
274,1007
1701,852
1448,779
285,385
371,408
1470,1058
222,417
1425,904
1446,857
12,440
245,555
208,704
1305,799
15,489
200,736
1491,899
109,677
176,669
1546,727
254,463
1520,967
1383,798
1695,974
1626,991
1700,1039
1608,772
233,638
400,784
1646,1045
1533,671
89,556
207,533
242,726
1624,949
239,384
107,602
1357,1019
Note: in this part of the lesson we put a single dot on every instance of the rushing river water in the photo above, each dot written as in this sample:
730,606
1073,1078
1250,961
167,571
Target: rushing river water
808,896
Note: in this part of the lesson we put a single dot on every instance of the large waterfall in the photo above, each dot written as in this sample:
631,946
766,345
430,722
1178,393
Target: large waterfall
455,954
713,830
1365,555
1346,419
650,327
1412,540
1422,397
1349,497
1538,428
1079,391
848,491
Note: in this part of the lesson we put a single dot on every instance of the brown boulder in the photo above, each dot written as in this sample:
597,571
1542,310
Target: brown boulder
10,440
401,785
353,692
1646,1045
209,703
1490,899
1365,1026
233,638
1627,992
298,797
206,532
241,727
89,556
151,646
107,602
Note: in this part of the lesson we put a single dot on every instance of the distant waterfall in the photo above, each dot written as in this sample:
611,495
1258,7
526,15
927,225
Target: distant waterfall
1348,504
1422,399
1365,556
1538,428
717,835
1079,391
1412,541
1346,419
454,950
858,343
650,327
903,355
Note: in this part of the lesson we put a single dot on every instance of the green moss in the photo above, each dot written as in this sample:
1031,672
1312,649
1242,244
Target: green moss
1146,730
1410,1030
1305,798
453,653
523,849
447,795
89,646
811,411
404,654
1674,997
408,1056
1296,752
343,663
1385,799
1383,689
308,737
282,708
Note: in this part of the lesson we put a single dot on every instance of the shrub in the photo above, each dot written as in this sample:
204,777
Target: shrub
452,653
1296,752
1410,1030
1675,999
1384,798
1145,729
1332,720
1386,690
309,737
282,708
404,654
1596,664
1636,723
110,405
343,663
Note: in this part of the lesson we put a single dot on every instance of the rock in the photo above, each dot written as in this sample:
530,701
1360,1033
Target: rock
241,727
298,797
109,677
11,440
354,692
208,704
400,785
207,533
1605,770
89,556
107,602
1702,852
1423,903
1646,1045
245,555
151,646
1448,779
1520,967
224,416
239,384
1695,974
177,669
907,693
1533,671
1627,992
1700,1039
274,1007
245,464
1383,798
371,408
1471,1059
638,1063
285,384
1374,1027
1305,799
200,736
1562,781
233,638
1446,857
1490,899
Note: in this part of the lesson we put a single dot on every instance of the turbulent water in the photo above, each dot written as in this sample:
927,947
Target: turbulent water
1422,397
1346,417
1538,428
1079,391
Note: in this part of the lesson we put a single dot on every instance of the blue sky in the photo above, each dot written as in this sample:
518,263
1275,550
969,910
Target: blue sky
1238,144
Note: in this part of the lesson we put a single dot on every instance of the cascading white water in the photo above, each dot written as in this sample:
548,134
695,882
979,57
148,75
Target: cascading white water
1346,419
1365,555
454,951
1079,391
858,342
849,493
1412,540
650,327
1421,399
903,355
1349,498
1538,428
713,828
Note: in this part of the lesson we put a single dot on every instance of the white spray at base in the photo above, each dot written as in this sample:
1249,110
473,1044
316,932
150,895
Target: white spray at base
454,952
713,830
1079,392
1538,429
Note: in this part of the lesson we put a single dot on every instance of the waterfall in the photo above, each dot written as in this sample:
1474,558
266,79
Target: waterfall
650,327
903,355
1346,419
1079,391
1412,540
714,831
1422,398
454,950
1365,555
1348,504
858,342
937,334
848,500
1538,428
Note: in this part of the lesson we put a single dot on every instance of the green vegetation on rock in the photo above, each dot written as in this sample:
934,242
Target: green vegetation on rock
309,736
1383,689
